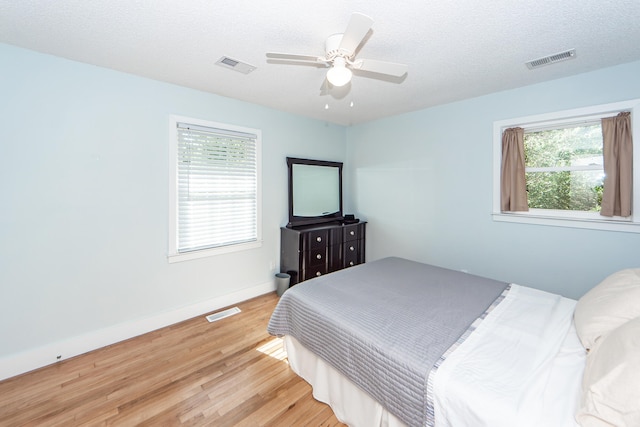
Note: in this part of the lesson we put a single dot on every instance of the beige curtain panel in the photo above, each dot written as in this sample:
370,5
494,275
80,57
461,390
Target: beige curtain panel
617,150
513,187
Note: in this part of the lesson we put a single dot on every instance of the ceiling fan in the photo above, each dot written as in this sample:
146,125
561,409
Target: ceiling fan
340,52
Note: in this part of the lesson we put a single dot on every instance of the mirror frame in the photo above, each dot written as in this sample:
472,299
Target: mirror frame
295,221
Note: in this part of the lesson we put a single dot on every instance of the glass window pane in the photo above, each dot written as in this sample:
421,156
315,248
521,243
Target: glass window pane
572,146
575,190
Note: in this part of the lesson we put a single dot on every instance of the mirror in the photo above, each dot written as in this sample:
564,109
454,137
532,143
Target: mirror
315,191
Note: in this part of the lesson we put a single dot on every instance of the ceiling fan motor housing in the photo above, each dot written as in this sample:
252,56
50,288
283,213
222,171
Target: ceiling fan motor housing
332,47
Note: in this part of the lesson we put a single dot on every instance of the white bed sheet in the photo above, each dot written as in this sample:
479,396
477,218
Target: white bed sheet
522,367
530,334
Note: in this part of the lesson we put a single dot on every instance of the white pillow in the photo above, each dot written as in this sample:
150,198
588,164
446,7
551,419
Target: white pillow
613,302
611,381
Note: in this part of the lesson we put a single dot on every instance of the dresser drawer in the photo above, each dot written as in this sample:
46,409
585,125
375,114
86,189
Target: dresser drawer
315,257
351,232
314,271
315,239
351,253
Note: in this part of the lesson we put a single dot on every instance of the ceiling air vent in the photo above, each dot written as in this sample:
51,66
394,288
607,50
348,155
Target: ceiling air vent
551,59
235,65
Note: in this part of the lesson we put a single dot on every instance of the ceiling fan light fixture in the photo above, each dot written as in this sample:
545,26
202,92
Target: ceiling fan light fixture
339,75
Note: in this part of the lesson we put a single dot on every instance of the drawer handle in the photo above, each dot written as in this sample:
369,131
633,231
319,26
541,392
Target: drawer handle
318,274
319,256
353,233
318,239
351,248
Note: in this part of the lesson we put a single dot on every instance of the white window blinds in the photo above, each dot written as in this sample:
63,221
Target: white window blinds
217,173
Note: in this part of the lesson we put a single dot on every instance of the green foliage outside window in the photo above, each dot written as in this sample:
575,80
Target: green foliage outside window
567,164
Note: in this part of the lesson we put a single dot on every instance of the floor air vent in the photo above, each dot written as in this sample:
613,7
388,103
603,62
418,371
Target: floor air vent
222,314
551,59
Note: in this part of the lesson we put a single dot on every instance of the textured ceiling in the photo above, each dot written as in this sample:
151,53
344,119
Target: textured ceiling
454,50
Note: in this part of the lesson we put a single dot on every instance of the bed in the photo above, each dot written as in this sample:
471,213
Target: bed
398,343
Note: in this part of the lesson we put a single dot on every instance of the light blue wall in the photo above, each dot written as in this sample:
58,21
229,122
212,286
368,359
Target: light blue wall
424,182
84,197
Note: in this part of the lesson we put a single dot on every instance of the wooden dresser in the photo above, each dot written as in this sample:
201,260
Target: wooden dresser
310,251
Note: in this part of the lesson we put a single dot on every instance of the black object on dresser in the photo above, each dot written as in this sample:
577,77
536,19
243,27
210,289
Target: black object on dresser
314,250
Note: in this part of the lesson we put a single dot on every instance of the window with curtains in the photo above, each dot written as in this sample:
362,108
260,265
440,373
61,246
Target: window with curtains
571,168
215,188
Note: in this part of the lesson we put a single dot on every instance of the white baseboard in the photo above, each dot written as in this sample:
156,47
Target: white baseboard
29,360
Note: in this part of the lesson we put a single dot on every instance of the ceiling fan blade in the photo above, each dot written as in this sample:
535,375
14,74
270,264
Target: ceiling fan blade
381,67
294,57
324,88
357,29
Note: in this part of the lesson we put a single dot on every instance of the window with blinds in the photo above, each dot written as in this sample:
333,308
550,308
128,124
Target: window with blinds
217,189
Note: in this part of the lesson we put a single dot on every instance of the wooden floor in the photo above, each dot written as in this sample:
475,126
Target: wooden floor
195,373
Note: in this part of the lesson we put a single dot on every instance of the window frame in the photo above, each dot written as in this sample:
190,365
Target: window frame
173,255
573,219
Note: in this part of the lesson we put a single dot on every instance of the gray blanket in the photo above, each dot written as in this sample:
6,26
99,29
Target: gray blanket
385,324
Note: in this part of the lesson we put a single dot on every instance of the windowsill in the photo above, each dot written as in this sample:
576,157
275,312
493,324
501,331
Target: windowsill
186,256
625,226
